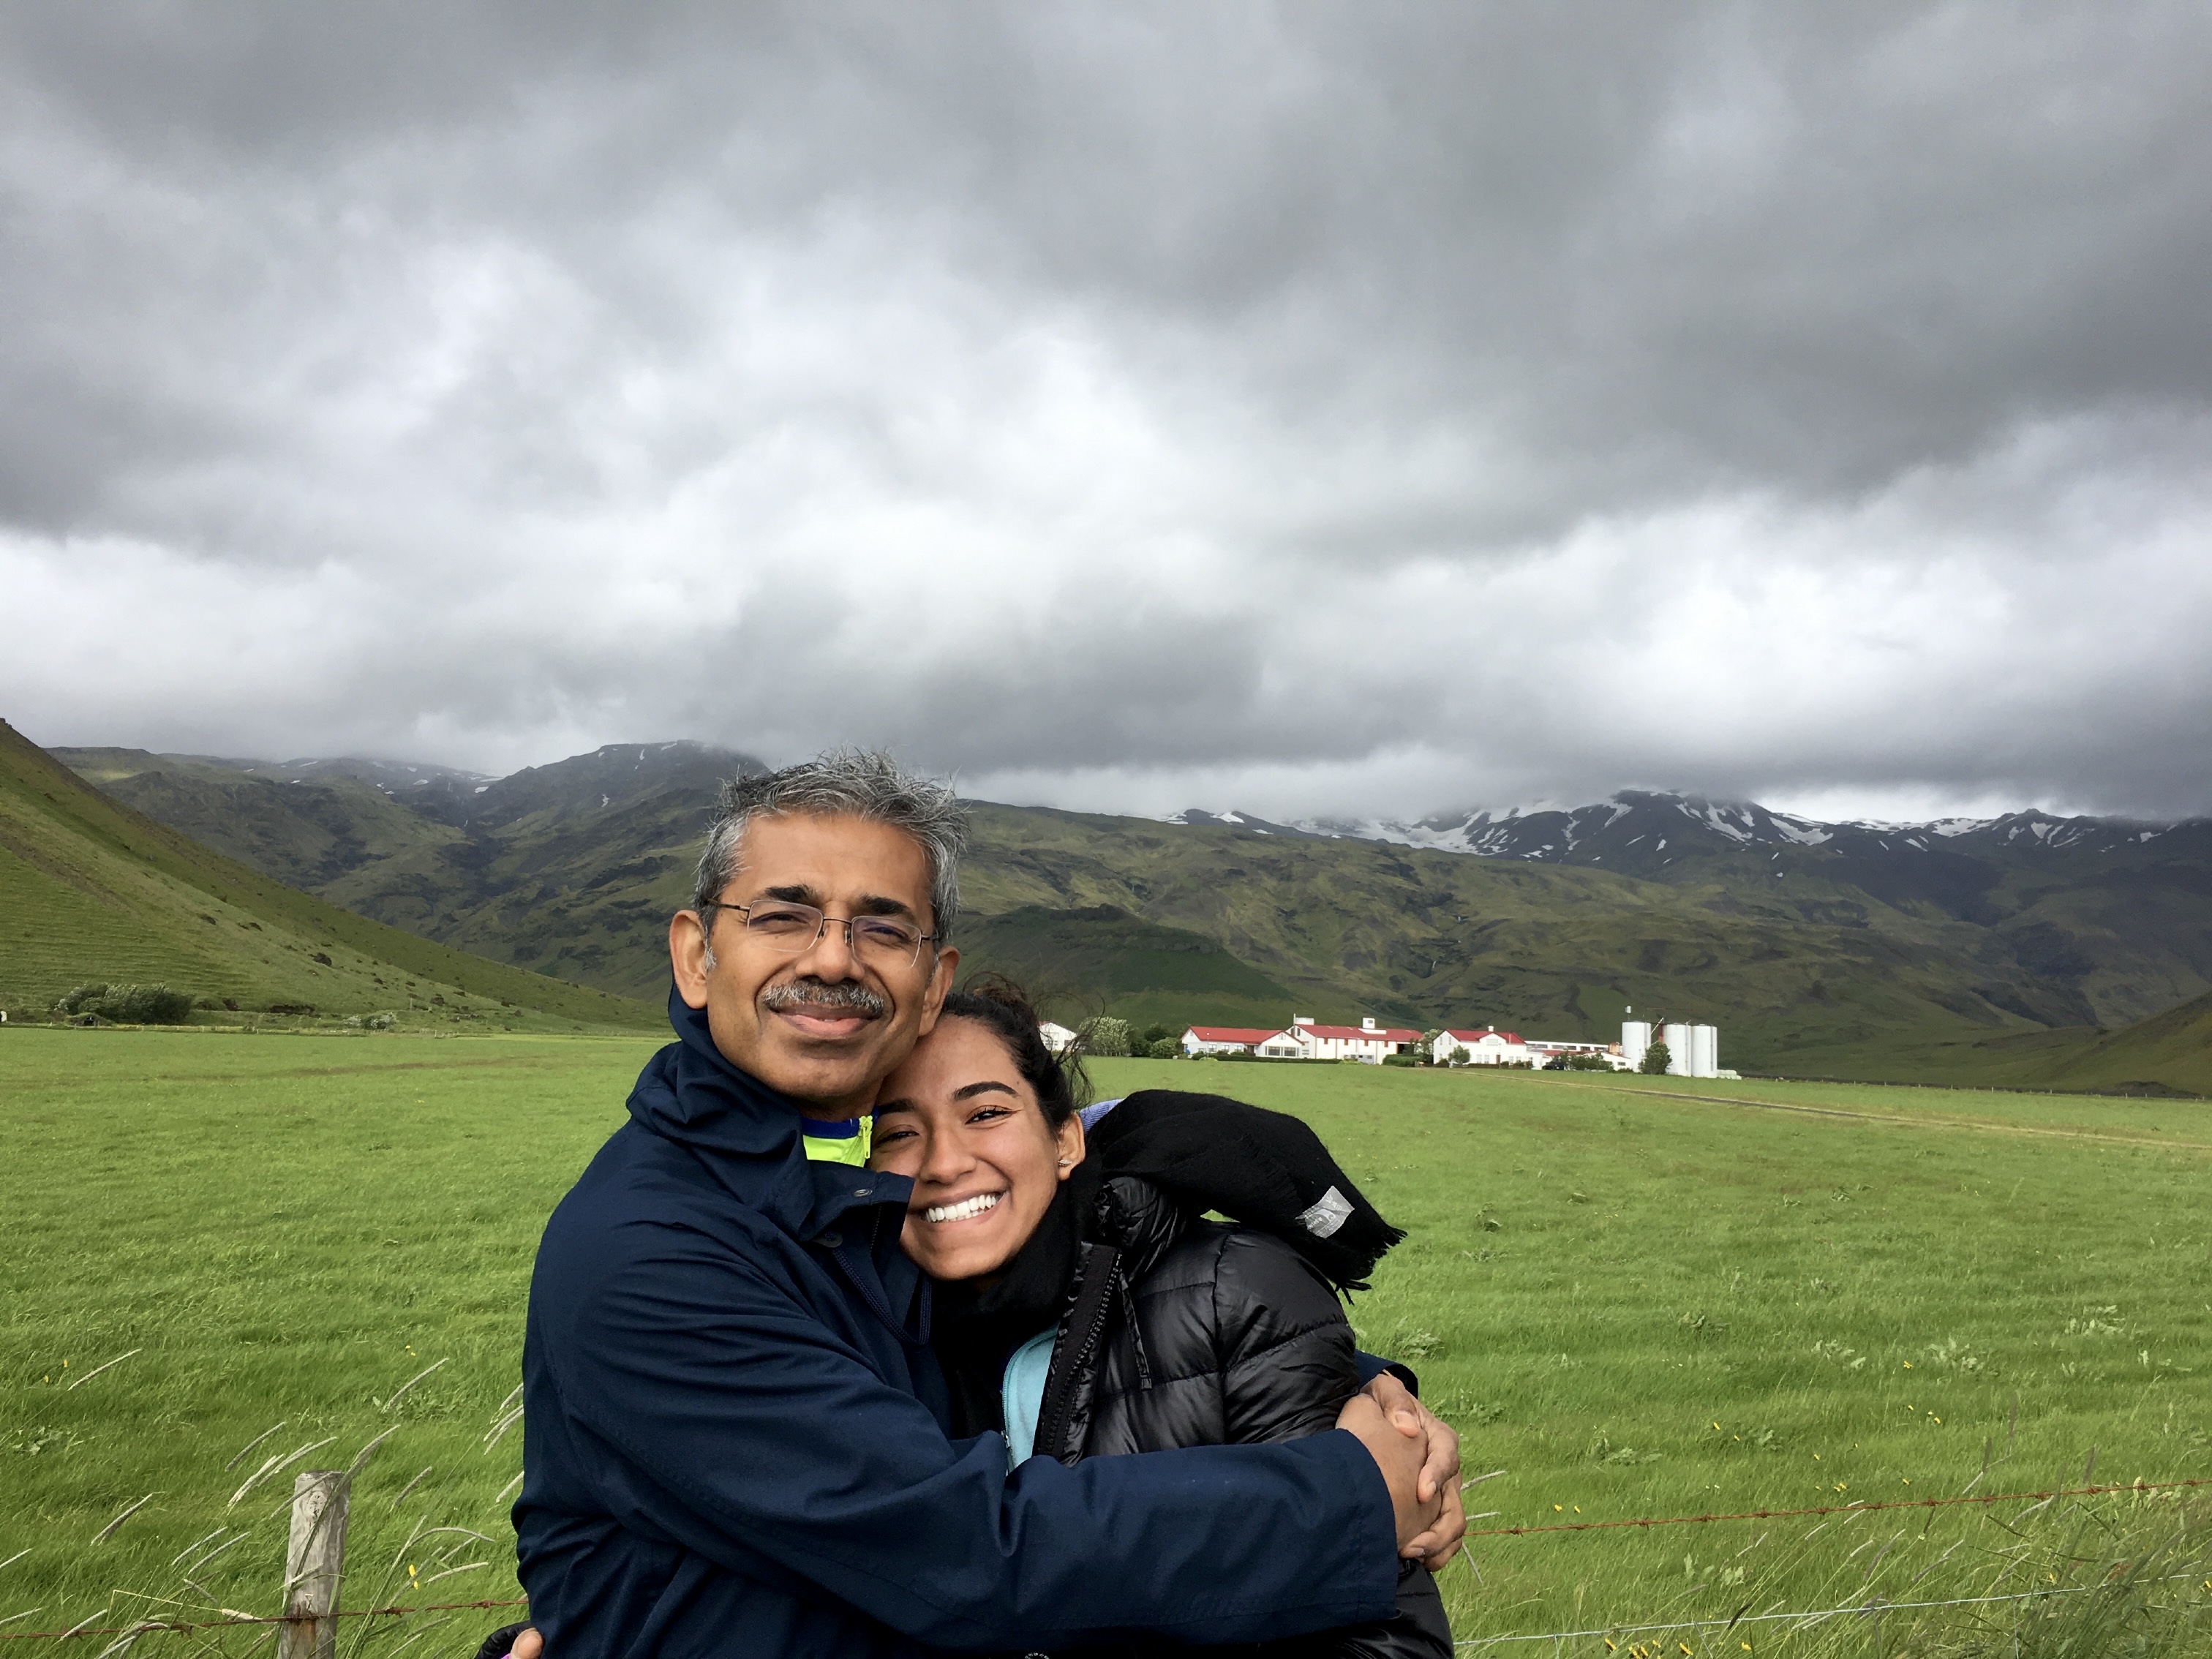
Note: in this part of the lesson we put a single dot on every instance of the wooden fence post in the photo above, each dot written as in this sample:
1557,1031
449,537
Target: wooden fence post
313,1564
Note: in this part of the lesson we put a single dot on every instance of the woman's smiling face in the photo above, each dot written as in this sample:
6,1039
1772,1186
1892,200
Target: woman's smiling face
958,1118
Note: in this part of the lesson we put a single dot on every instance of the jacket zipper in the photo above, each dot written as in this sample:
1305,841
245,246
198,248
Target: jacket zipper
1093,1301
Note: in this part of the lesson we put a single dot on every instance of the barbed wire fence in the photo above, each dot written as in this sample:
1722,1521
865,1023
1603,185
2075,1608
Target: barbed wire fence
314,1570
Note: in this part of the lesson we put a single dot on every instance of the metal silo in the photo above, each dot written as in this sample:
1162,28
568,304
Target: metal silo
1704,1051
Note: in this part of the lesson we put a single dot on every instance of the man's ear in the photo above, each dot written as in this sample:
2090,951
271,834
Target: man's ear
687,955
941,986
1072,1144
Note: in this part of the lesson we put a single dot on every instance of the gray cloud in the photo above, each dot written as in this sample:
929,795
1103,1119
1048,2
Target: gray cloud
1297,408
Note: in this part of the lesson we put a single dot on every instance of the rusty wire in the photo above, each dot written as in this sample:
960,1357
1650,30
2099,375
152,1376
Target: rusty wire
1836,1508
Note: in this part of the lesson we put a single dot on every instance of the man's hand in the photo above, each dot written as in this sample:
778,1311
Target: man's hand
1439,1469
1399,1455
530,1645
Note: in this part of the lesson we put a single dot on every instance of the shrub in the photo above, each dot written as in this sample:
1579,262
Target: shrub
1106,1035
145,1005
1164,1049
129,1005
81,999
1655,1060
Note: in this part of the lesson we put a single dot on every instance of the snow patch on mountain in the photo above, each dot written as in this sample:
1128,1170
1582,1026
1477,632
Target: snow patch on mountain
1548,831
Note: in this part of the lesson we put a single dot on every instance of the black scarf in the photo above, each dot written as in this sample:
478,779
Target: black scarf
1266,1170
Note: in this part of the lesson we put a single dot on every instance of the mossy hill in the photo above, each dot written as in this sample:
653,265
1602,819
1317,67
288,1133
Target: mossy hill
2008,952
92,890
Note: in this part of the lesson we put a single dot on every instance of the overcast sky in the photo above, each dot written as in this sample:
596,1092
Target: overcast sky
1305,409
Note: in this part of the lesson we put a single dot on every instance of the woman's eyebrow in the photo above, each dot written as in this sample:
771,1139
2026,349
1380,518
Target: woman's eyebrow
883,1106
969,1091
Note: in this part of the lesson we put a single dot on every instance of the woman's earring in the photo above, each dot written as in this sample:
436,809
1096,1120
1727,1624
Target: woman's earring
1065,1162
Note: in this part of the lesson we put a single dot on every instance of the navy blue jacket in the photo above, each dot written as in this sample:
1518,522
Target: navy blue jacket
733,1437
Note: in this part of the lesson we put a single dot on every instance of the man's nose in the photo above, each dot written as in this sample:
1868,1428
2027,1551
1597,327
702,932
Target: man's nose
831,954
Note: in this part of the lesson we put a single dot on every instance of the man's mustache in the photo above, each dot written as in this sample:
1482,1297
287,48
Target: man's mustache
846,996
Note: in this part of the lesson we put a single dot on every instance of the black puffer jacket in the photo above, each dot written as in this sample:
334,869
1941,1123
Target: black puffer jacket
1188,1333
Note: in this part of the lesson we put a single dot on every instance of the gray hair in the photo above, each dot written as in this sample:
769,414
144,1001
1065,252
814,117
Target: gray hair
859,783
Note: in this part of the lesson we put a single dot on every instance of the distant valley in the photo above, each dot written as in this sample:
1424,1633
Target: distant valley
1995,949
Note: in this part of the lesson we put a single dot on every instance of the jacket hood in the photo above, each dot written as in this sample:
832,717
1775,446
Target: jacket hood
747,1134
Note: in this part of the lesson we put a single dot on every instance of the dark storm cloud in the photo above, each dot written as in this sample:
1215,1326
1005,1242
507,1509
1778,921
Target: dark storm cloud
1301,408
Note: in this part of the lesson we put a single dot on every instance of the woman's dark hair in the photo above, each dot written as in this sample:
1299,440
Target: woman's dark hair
1004,1009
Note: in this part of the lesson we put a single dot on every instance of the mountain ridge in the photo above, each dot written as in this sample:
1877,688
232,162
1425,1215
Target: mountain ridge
1815,946
1556,834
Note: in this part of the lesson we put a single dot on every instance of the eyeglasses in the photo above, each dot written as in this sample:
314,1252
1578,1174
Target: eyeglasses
790,929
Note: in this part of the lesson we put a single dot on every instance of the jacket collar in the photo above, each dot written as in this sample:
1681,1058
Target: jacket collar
747,1134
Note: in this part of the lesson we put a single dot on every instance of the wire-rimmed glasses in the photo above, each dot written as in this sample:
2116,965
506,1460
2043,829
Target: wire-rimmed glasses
790,928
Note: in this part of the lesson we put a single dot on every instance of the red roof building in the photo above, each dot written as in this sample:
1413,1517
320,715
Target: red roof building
1224,1039
1366,1041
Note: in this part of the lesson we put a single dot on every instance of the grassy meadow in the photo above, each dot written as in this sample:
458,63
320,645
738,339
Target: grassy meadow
1636,1297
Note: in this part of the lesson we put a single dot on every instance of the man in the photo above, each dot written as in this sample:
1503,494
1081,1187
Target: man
729,1440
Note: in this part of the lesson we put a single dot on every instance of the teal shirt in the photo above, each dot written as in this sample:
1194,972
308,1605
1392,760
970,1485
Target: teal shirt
1021,1395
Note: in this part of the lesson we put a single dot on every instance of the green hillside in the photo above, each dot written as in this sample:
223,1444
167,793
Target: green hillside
91,890
304,835
1081,962
2173,1048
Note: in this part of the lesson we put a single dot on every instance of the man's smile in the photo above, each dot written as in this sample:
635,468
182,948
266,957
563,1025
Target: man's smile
821,1012
822,1024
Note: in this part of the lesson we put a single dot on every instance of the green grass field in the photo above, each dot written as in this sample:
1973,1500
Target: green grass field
1632,1301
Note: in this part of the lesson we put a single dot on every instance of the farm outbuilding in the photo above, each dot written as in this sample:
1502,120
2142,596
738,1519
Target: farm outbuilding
1482,1046
1224,1039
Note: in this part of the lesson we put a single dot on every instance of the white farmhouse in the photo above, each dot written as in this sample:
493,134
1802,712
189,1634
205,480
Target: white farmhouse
1054,1036
1305,1040
1486,1047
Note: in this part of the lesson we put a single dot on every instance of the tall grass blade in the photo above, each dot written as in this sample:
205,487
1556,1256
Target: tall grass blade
276,1465
239,1455
400,1392
96,1370
361,1457
101,1536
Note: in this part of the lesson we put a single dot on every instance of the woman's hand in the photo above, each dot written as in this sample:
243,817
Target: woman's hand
1439,1469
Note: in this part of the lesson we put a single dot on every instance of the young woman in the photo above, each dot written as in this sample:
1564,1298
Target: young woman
1081,1306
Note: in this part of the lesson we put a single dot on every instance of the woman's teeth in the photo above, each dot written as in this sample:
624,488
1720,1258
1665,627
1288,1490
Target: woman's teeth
962,1210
